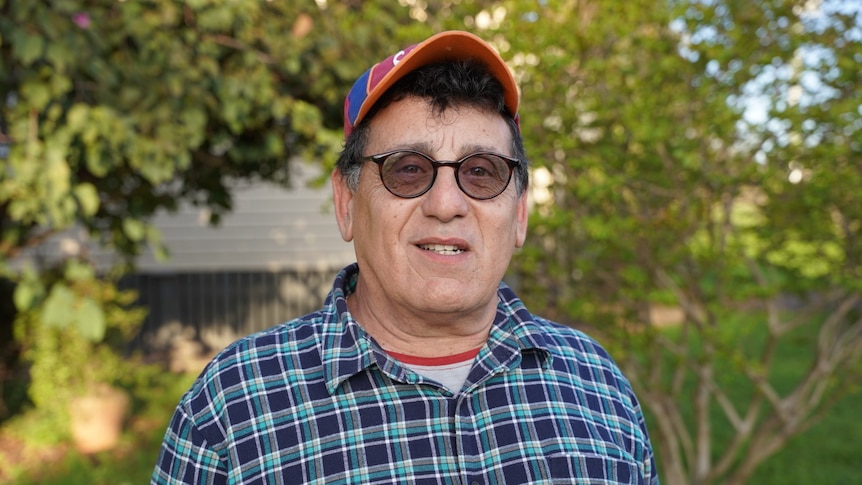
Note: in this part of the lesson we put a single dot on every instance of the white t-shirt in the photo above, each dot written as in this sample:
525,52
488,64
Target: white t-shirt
449,370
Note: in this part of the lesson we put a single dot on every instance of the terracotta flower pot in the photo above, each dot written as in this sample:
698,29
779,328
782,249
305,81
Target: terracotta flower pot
97,419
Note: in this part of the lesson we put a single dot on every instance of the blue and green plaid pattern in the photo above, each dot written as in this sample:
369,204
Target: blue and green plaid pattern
316,400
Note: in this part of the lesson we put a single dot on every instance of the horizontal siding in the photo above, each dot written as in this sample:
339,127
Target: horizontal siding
271,228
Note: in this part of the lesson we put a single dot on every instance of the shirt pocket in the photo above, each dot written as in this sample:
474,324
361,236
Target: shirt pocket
592,469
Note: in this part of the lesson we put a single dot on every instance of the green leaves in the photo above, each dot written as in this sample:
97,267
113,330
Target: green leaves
120,109
27,47
75,301
134,229
29,292
63,308
88,199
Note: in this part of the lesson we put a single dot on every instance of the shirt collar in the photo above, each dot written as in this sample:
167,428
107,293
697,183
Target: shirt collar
516,328
348,349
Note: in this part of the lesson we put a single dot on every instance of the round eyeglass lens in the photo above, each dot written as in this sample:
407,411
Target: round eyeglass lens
407,174
484,176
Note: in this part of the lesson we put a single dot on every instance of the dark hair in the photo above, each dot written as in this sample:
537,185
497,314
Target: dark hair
444,85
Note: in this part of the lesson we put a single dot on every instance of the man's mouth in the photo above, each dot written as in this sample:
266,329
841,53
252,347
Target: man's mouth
444,249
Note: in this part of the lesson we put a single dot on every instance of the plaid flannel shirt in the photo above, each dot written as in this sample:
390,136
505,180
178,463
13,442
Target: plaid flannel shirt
316,400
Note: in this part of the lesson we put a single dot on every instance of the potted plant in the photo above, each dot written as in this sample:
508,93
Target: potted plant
74,340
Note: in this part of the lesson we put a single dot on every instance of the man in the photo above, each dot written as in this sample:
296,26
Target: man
422,366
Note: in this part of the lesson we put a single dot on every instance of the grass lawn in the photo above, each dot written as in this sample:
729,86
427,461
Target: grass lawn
828,454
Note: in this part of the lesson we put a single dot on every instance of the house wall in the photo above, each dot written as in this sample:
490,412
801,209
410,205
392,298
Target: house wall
271,259
199,313
270,228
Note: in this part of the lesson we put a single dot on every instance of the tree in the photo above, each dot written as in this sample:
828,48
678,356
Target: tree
115,110
658,185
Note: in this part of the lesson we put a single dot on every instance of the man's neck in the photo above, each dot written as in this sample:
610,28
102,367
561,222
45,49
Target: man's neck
429,336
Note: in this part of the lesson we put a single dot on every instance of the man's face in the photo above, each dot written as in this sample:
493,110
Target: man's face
443,252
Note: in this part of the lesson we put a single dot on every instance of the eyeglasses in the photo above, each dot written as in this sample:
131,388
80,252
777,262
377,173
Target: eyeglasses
409,174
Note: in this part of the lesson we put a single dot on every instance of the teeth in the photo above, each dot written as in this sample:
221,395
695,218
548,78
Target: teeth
442,248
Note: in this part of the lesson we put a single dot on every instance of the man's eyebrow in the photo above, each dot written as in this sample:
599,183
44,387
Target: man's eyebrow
419,146
476,148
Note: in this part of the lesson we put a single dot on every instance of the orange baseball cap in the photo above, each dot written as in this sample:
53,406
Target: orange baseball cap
450,45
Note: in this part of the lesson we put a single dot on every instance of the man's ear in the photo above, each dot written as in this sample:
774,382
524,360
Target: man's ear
521,219
343,201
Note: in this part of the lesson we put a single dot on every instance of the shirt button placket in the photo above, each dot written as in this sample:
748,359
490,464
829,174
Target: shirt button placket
466,441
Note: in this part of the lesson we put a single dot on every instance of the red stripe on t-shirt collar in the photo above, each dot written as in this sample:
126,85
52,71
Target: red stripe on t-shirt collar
433,361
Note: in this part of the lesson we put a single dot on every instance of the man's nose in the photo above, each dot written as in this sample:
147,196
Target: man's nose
445,200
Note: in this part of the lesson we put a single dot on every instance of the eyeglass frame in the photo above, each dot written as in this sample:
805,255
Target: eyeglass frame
380,158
